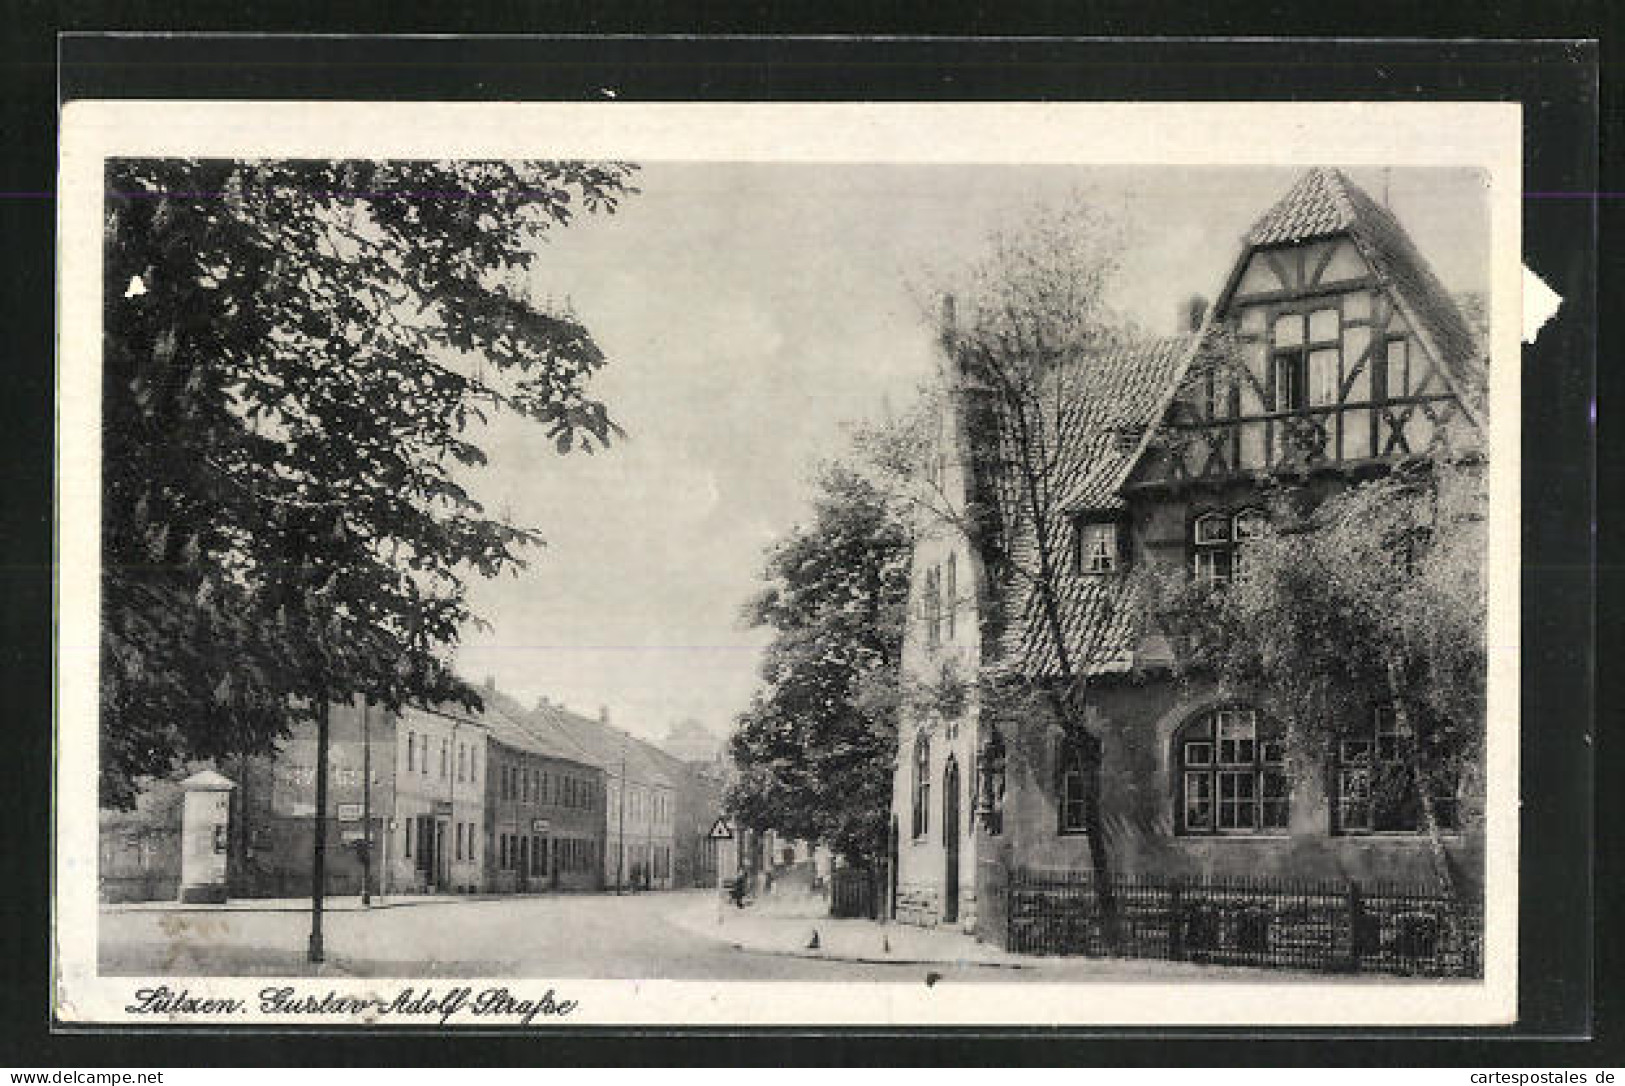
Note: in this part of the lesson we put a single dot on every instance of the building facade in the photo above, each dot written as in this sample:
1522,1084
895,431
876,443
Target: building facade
1349,357
640,799
544,807
459,802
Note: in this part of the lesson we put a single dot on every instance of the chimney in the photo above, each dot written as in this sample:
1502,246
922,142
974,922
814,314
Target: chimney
603,714
945,328
491,684
1192,313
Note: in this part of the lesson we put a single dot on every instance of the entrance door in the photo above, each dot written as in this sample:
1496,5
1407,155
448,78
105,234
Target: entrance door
425,858
950,842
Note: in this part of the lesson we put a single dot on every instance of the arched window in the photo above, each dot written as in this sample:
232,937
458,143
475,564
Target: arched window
1232,774
952,594
922,784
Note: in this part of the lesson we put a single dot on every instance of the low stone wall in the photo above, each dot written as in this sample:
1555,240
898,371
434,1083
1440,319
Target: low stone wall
920,905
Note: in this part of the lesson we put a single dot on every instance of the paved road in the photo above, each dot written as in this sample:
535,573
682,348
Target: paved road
596,936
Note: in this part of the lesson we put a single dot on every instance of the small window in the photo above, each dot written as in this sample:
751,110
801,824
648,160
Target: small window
1077,782
922,785
1097,548
1291,381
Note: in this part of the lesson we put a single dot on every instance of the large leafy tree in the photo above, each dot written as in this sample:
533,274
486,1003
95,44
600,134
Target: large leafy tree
297,357
815,748
1373,596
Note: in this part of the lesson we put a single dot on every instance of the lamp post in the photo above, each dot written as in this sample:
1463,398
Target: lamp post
620,818
318,866
366,801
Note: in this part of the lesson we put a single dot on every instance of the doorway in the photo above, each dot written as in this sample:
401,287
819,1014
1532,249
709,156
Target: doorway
950,842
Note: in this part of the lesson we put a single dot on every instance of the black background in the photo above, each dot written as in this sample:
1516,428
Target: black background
1558,86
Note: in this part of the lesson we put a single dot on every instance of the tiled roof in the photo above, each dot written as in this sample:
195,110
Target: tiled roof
1325,203
1105,405
509,723
605,745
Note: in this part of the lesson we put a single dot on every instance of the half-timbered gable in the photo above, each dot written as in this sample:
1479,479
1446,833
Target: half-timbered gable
1333,345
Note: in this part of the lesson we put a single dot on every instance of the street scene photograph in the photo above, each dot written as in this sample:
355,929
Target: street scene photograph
571,569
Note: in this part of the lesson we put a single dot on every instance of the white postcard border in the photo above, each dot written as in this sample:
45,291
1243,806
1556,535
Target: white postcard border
1483,135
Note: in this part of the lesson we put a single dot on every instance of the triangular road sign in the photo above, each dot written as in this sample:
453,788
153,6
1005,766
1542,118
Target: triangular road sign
721,831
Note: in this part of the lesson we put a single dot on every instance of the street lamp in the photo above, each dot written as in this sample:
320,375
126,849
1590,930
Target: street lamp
620,850
366,801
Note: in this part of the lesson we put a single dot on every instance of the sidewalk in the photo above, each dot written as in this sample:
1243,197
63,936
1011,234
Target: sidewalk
786,928
336,904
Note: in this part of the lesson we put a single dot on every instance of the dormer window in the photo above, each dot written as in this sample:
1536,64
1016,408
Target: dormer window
1097,547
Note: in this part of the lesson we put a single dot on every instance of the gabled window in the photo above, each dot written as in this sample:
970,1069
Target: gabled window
1232,774
922,784
1097,547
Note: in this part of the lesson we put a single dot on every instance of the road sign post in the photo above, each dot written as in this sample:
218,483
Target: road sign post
720,832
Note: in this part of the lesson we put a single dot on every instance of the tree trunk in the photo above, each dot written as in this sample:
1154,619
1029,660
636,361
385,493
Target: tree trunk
1454,920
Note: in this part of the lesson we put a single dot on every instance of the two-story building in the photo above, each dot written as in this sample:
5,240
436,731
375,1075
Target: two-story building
640,799
1349,357
436,839
544,805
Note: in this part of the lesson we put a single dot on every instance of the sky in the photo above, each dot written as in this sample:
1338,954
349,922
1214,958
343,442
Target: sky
750,313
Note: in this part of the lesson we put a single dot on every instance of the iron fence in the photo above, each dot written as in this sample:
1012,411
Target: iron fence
1265,922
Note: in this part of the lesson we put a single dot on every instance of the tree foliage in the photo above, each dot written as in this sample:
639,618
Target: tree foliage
296,357
816,746
1373,596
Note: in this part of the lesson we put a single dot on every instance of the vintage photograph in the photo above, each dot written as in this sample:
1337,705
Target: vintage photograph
992,579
